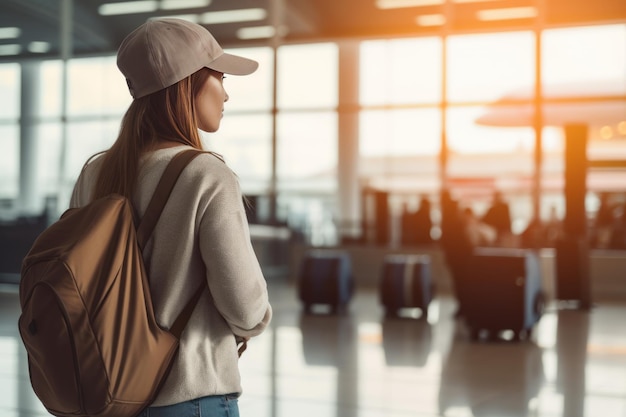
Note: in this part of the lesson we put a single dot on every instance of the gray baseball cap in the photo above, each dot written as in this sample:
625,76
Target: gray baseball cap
161,52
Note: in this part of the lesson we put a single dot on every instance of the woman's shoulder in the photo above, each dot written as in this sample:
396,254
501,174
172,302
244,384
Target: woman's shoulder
86,180
200,165
206,176
207,170
210,164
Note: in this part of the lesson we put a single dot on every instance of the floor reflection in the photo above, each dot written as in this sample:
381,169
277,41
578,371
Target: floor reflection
491,379
328,340
571,349
406,341
363,364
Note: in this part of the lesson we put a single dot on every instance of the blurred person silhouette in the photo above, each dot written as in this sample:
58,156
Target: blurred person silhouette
499,217
423,221
449,216
605,221
455,243
553,228
478,232
542,234
618,233
175,72
408,232
416,225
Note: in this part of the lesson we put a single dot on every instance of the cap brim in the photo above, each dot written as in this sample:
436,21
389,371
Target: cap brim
233,64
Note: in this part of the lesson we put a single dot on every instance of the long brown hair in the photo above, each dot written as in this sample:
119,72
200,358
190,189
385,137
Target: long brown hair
167,115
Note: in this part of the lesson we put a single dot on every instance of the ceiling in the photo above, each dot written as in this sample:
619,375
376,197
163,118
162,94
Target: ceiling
301,20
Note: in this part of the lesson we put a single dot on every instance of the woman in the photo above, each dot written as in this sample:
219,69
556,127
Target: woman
175,71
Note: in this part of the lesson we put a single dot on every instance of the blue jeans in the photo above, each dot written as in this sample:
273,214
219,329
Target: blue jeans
212,406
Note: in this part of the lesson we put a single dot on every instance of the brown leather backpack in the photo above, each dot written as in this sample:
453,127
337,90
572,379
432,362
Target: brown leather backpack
87,322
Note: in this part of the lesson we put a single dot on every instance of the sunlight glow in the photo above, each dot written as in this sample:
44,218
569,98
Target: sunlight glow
587,57
400,96
484,67
606,132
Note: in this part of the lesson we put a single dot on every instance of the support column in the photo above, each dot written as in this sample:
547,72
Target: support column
30,201
66,14
348,141
277,18
572,250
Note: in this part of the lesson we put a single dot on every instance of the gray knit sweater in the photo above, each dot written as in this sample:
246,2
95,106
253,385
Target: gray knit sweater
202,235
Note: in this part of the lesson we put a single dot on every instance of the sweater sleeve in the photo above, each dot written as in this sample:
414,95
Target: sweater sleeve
81,194
77,198
233,272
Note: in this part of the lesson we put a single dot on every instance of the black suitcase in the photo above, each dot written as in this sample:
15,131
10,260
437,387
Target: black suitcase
572,267
326,279
406,282
501,291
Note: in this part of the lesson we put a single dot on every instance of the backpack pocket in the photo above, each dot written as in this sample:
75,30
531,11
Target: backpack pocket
49,340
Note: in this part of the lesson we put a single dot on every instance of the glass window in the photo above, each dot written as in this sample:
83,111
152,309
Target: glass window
307,151
254,91
485,158
465,135
9,161
9,91
83,140
584,61
400,71
308,76
588,62
487,66
400,132
398,147
50,87
96,87
245,143
48,157
608,141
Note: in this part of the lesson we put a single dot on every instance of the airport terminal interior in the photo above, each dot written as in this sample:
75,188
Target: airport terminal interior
435,190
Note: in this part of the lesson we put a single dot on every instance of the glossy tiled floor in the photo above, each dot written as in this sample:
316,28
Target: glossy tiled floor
362,365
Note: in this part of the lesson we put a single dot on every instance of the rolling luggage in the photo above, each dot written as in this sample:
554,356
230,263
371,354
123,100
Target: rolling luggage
502,291
326,278
406,282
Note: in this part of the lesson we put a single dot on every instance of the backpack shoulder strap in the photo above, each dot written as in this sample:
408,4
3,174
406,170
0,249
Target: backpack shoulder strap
162,193
151,217
183,318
